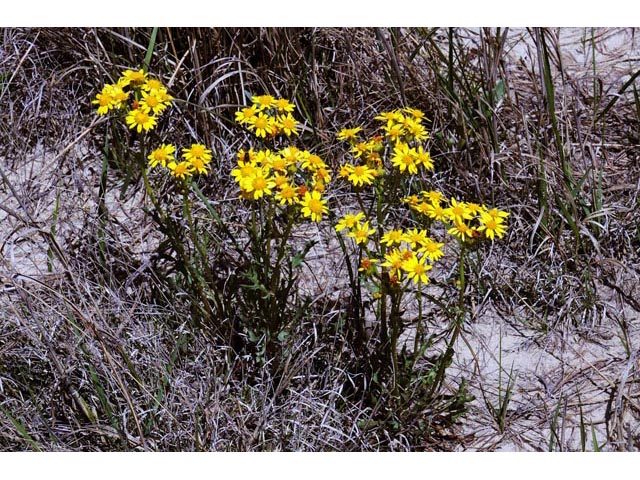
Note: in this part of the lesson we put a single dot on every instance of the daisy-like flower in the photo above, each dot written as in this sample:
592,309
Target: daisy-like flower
361,232
245,115
263,102
349,134
287,194
418,115
323,175
394,131
361,174
263,125
387,117
360,149
181,169
392,237
259,184
436,211
349,221
133,77
495,213
393,260
416,238
140,119
417,270
404,158
283,105
424,158
288,124
152,101
152,84
492,226
120,97
245,170
199,165
164,96
313,162
104,100
197,151
458,212
291,155
461,231
433,196
415,130
162,155
314,206
432,249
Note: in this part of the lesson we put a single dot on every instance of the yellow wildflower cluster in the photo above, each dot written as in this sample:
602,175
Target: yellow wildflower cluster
466,221
269,116
407,254
289,176
402,133
142,98
194,160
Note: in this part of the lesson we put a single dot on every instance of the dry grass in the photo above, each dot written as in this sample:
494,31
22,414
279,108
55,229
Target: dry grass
97,354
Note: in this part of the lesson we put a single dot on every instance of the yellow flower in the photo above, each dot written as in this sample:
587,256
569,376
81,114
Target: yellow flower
152,84
492,225
132,77
432,249
258,184
245,115
387,117
180,170
314,206
104,100
404,158
392,237
457,212
367,265
415,237
199,165
244,171
283,105
349,221
393,261
153,101
424,158
288,124
394,131
197,151
360,233
263,101
287,194
361,174
418,115
140,119
435,211
162,155
461,230
348,134
313,162
417,270
433,196
120,97
263,125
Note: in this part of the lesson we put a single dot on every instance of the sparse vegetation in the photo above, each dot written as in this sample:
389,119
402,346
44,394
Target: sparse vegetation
296,239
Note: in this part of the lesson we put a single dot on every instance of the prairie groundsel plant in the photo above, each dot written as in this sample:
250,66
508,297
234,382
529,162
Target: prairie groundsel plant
392,253
135,104
282,187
